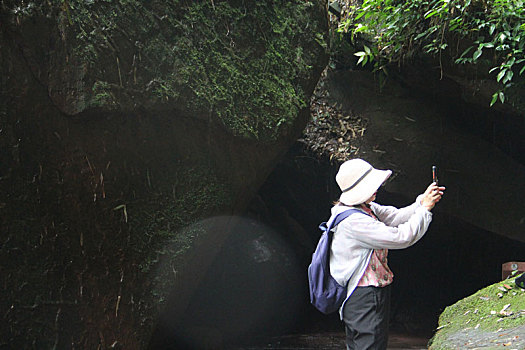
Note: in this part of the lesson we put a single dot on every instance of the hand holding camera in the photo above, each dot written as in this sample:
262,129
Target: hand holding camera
433,192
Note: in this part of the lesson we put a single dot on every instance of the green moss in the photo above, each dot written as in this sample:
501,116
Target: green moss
241,62
83,237
497,306
158,224
103,95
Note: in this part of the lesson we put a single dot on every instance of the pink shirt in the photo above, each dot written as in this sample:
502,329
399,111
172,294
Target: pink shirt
377,272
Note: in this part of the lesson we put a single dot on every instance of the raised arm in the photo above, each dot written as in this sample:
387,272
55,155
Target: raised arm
392,216
373,234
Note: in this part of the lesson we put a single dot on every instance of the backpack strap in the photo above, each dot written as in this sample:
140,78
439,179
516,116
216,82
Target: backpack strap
339,217
330,234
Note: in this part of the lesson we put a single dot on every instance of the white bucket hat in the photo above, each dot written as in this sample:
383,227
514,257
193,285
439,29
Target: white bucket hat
359,181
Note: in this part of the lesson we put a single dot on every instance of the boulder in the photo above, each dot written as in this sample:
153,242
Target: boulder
254,289
411,126
121,123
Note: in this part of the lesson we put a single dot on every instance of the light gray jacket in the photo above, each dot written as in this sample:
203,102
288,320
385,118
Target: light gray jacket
358,235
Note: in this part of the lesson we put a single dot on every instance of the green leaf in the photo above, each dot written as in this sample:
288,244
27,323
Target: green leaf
494,99
430,13
360,54
466,51
508,76
522,70
501,96
477,53
501,74
360,14
360,28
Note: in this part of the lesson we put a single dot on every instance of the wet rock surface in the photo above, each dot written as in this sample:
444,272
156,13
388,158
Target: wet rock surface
334,341
513,338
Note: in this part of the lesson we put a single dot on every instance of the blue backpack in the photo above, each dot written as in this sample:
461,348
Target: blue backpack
325,293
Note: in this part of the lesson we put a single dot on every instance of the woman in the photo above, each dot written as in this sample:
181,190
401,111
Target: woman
360,246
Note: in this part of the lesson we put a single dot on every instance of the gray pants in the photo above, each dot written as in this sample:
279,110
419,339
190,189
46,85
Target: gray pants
366,316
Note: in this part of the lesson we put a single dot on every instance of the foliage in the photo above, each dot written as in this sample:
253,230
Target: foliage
488,32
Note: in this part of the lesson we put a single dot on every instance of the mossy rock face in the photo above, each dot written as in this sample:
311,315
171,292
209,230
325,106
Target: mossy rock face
244,63
121,123
493,317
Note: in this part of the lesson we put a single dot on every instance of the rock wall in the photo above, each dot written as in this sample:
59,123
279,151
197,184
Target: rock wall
416,120
121,123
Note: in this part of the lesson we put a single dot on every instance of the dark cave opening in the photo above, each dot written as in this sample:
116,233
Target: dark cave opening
452,261
257,287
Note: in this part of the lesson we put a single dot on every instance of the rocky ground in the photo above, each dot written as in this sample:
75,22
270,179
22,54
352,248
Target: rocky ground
335,341
513,338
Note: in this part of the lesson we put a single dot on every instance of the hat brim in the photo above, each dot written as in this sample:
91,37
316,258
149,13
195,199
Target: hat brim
365,188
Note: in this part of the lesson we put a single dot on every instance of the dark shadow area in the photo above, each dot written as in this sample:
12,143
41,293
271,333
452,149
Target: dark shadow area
504,127
257,288
252,290
452,261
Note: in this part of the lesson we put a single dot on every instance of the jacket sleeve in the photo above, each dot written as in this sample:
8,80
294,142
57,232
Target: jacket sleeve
393,216
373,234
